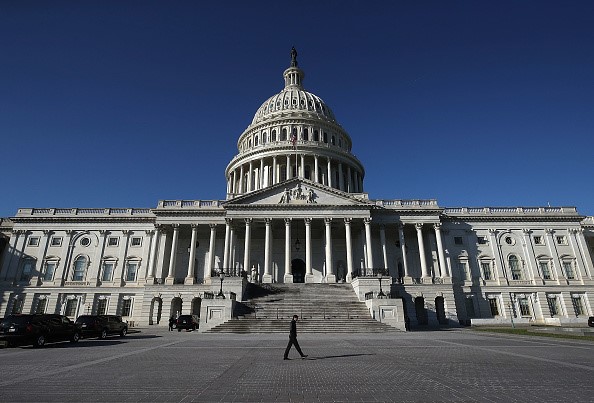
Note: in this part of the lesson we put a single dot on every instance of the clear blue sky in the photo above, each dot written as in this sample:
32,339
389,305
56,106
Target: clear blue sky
124,103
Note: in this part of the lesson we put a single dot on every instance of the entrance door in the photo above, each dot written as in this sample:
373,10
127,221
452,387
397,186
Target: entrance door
298,269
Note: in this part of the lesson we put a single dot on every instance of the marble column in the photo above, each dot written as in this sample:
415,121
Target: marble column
384,251
440,251
309,278
261,174
152,264
368,243
190,277
496,251
288,278
227,244
170,276
211,254
349,248
241,175
424,268
330,276
349,180
247,246
267,277
250,177
340,177
274,173
302,167
329,175
407,278
288,167
316,169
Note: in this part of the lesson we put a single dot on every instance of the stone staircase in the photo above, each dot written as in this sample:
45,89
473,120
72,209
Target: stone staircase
322,308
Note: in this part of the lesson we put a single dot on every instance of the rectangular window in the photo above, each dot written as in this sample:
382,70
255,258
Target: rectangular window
131,271
458,240
486,267
553,305
50,268
56,241
545,270
71,306
538,240
578,305
113,241
28,268
126,307
17,306
561,240
33,241
107,271
568,269
136,241
41,304
102,306
494,306
524,307
463,267
481,240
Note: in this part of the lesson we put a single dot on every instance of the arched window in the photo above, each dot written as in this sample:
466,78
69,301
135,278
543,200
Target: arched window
325,137
255,141
306,134
333,140
80,268
273,136
283,135
514,267
264,139
307,172
250,143
340,142
316,136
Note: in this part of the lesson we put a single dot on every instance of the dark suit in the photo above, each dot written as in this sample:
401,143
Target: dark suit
293,340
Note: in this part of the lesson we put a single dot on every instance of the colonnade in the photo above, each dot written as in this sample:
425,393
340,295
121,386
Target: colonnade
330,234
265,172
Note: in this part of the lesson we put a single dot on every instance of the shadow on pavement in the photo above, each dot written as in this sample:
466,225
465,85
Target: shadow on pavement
324,357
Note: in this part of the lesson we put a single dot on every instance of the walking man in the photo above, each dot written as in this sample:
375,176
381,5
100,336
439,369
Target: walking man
293,339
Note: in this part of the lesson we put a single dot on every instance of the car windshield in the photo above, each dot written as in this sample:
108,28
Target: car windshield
85,319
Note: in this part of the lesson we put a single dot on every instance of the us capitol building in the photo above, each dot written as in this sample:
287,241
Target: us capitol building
296,212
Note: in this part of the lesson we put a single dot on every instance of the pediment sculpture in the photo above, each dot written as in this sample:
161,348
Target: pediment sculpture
298,196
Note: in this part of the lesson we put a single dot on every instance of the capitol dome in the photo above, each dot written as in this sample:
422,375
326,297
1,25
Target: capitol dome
294,134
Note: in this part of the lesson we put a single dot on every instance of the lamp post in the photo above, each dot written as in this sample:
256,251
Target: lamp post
222,277
381,293
511,314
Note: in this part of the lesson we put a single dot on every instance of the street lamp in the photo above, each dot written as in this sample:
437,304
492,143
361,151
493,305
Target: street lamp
511,314
222,277
381,293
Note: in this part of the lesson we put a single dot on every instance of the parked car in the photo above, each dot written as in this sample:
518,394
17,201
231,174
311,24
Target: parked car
591,321
101,325
37,329
188,322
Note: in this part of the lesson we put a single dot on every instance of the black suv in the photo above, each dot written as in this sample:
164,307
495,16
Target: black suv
101,325
591,321
37,329
188,322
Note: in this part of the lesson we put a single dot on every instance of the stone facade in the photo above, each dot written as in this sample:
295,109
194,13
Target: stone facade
295,211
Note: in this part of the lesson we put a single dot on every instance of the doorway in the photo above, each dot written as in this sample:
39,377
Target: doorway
298,270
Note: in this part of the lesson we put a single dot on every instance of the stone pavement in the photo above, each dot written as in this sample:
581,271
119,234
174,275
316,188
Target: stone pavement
440,366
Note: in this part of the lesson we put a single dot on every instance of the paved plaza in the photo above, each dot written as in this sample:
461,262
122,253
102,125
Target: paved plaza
439,366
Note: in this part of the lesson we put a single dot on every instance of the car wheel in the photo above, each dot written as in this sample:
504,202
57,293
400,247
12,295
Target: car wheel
40,341
103,334
179,329
123,332
75,337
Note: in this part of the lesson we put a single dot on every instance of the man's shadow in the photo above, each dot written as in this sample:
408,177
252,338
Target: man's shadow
324,357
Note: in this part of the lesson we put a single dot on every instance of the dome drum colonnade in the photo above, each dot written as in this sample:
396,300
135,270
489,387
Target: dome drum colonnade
294,134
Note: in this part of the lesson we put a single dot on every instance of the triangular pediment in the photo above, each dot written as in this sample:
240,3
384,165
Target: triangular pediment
298,191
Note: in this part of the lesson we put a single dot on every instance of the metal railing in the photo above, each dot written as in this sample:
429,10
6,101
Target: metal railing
370,272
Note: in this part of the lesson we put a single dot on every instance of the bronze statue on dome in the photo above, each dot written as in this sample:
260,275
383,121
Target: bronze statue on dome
293,57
